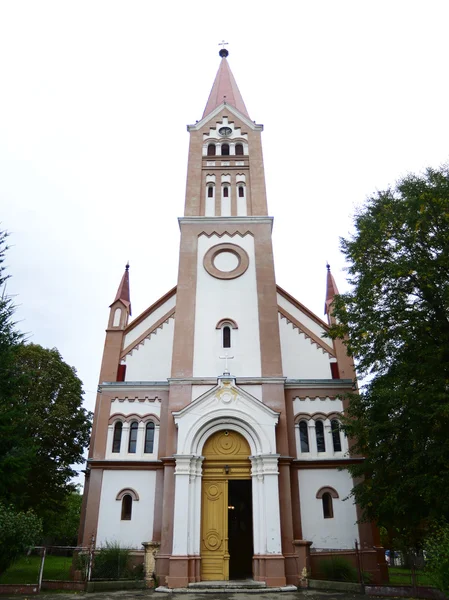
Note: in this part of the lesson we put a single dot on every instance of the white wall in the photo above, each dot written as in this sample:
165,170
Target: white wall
312,405
235,299
130,534
341,530
149,321
301,359
151,360
302,317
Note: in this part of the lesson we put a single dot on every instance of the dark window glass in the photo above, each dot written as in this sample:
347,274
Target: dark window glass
225,192
239,149
211,150
304,436
127,507
226,336
210,192
225,149
241,191
328,511
117,437
319,429
133,437
149,437
335,428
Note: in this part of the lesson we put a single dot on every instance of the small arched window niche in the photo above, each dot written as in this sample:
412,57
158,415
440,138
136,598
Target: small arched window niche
149,438
225,149
127,496
241,191
210,191
225,191
226,326
117,437
319,431
211,150
132,442
336,439
304,436
239,149
326,495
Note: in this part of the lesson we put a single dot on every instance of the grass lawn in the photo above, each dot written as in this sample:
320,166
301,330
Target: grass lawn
403,576
26,569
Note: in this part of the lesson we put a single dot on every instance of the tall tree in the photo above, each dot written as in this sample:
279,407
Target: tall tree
396,325
49,395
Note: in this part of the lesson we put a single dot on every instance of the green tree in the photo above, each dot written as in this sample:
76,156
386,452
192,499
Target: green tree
49,395
396,325
63,530
18,531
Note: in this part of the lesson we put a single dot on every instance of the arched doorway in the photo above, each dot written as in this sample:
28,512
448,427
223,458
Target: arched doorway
226,508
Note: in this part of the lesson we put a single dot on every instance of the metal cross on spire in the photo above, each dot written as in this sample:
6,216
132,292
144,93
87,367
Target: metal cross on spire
223,43
223,52
226,357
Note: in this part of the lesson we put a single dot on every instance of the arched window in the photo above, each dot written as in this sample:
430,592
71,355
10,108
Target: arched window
304,436
328,509
239,149
336,441
225,192
225,149
117,439
211,150
132,444
210,191
127,507
241,191
226,336
320,443
149,437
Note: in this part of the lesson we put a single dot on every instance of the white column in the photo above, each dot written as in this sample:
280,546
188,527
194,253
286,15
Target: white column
218,149
266,509
272,508
328,438
312,439
140,445
194,536
181,513
232,148
156,440
109,439
125,441
298,442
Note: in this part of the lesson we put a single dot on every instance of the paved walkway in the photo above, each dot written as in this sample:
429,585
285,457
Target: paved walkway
151,595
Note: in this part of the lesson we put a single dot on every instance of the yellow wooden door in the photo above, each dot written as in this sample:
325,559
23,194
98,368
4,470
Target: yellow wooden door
226,455
214,550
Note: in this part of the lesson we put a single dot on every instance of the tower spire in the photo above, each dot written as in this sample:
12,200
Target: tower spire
331,291
225,88
123,290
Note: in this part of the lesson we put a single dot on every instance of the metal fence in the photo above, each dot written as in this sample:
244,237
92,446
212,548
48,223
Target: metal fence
352,565
26,570
407,569
112,562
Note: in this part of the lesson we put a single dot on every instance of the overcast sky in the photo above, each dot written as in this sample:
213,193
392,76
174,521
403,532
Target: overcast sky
95,97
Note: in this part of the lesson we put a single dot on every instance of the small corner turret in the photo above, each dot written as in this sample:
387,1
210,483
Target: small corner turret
121,307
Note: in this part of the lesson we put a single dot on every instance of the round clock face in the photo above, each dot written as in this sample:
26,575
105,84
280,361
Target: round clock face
225,131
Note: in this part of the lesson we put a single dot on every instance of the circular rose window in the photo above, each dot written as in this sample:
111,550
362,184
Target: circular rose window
226,261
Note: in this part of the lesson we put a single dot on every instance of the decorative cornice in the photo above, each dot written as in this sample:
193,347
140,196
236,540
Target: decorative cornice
225,220
112,386
213,380
119,465
303,384
314,339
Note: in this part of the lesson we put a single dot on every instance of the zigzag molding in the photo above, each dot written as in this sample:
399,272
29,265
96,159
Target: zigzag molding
220,235
305,333
149,336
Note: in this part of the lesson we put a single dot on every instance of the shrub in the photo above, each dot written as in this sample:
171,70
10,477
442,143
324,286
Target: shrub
18,532
114,562
436,551
338,569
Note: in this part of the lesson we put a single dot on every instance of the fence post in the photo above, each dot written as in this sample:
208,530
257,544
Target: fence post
41,569
359,567
91,558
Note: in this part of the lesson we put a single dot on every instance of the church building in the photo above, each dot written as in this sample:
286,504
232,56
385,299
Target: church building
216,432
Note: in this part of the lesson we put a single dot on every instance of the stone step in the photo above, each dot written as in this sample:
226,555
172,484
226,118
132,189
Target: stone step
227,587
239,583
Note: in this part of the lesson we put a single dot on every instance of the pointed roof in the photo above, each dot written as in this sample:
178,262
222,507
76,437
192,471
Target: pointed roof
331,289
225,89
123,290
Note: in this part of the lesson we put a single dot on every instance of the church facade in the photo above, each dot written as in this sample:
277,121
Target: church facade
216,428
